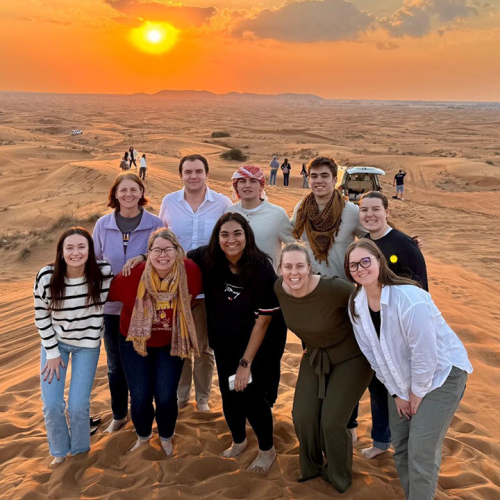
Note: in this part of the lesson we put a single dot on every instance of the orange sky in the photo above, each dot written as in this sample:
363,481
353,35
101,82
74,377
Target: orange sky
363,49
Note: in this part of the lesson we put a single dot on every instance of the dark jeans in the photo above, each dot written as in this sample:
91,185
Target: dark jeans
142,173
118,387
381,433
155,376
249,404
286,179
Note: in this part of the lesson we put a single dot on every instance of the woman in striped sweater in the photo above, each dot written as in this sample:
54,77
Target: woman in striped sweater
69,298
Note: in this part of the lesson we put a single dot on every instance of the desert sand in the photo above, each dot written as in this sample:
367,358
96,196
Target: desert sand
51,180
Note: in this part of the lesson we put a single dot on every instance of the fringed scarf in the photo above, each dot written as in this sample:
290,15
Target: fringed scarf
321,227
172,292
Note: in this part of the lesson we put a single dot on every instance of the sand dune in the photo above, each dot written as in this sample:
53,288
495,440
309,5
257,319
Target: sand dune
50,179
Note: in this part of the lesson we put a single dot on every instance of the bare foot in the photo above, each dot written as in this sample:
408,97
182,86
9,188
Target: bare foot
354,435
263,461
372,452
56,462
116,425
140,441
235,449
167,445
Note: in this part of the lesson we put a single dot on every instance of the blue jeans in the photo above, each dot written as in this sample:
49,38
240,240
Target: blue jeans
117,381
381,432
62,441
155,376
272,178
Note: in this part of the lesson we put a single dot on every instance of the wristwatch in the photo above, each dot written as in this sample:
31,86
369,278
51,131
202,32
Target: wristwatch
244,363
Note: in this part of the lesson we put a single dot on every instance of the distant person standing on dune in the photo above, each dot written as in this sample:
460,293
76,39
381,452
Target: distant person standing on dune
133,156
305,179
144,167
274,171
124,164
286,167
399,182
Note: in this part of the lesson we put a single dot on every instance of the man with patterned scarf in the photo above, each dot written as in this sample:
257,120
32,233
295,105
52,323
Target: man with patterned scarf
325,220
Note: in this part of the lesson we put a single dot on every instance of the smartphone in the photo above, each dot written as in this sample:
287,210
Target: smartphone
232,379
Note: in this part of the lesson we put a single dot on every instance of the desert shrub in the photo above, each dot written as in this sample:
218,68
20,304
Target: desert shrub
24,254
216,135
234,154
489,162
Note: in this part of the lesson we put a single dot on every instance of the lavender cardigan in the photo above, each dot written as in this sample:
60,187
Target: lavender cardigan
108,244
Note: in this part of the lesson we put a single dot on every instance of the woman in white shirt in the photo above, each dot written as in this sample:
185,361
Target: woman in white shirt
415,354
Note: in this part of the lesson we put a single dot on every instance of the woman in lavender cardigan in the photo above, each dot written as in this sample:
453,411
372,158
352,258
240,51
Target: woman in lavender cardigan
119,236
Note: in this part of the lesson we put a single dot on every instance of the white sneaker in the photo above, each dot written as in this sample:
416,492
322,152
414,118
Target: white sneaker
203,407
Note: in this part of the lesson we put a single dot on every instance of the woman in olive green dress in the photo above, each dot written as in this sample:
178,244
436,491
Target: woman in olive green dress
333,372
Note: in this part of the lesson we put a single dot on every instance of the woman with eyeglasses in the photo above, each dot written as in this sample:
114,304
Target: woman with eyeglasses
157,333
333,372
238,281
119,236
404,258
69,298
415,354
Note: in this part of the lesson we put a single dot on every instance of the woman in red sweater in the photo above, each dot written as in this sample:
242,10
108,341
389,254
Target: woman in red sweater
158,333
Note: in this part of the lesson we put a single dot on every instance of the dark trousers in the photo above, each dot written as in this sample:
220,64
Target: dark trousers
286,179
321,424
142,173
132,160
117,381
155,376
249,404
381,432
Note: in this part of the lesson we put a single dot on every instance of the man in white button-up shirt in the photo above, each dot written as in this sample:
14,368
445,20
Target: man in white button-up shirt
191,214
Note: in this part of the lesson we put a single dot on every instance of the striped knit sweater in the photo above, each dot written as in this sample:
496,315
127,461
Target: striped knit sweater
74,322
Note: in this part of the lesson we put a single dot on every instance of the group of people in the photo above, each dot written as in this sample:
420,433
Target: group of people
285,168
130,158
198,286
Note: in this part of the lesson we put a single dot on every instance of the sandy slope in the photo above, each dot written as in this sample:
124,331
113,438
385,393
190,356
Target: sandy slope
50,179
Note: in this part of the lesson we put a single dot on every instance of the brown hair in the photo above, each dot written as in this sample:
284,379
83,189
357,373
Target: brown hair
377,195
168,235
193,157
113,201
296,246
326,161
386,277
93,274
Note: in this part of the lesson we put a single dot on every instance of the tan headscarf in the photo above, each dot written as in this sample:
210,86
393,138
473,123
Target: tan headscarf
172,292
321,227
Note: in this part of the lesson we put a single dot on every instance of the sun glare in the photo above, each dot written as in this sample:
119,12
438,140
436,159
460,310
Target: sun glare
154,38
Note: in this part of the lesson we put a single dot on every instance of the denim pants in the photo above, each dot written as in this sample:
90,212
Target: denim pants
155,376
62,440
381,432
286,179
117,381
272,178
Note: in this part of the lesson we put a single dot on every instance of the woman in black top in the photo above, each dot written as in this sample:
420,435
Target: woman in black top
406,260
238,282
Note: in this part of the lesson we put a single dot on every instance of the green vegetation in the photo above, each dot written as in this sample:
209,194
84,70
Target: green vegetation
234,154
216,135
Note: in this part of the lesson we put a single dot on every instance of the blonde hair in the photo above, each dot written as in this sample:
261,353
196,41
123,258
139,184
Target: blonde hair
168,235
296,246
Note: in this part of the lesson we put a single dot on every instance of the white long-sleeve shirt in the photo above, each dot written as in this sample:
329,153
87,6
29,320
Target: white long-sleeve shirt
193,229
416,350
74,322
270,225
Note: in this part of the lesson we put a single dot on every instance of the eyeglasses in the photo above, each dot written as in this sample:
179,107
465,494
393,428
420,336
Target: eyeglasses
157,251
365,263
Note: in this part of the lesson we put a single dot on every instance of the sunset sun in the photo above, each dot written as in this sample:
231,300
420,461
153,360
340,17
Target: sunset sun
154,38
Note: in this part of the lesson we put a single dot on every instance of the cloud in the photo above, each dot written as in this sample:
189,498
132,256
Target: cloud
386,45
308,21
178,15
415,18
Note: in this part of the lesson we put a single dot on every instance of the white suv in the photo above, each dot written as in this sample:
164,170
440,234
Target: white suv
355,181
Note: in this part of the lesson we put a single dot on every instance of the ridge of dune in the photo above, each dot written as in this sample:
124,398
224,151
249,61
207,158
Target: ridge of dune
50,179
